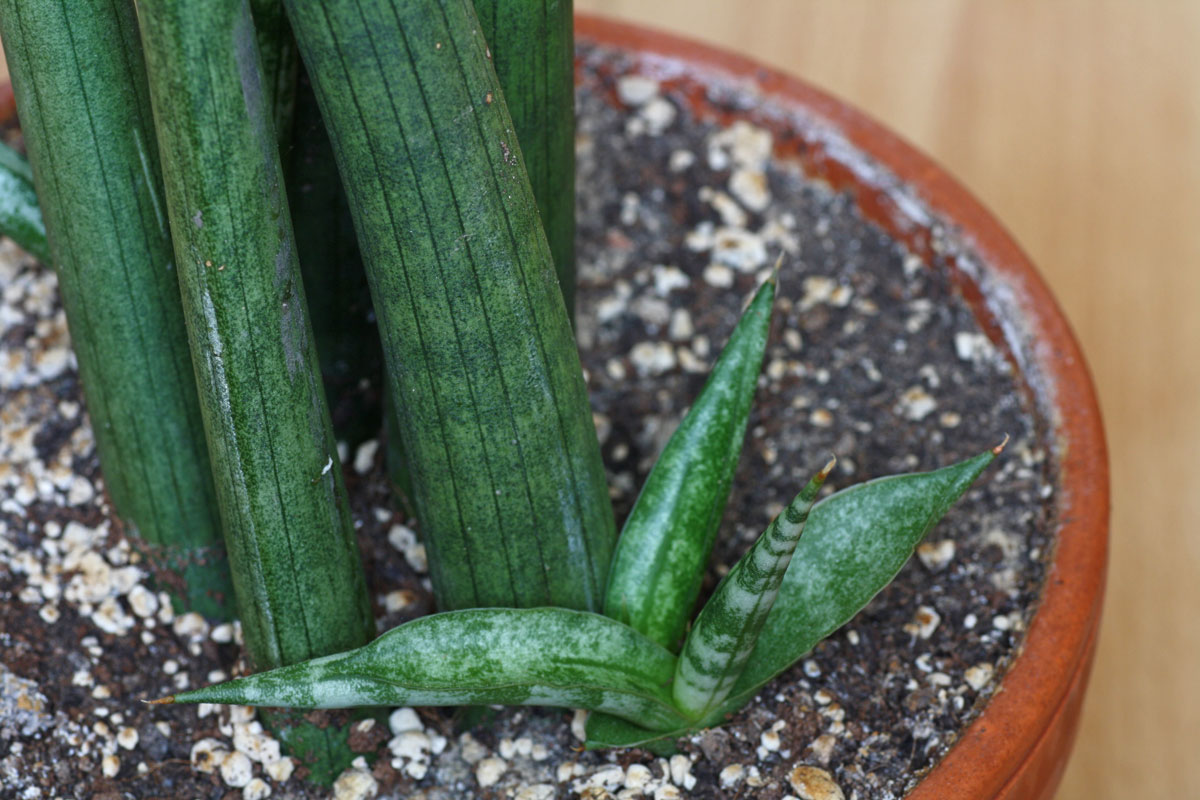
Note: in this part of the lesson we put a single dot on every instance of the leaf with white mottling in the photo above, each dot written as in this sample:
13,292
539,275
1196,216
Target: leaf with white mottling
854,543
538,656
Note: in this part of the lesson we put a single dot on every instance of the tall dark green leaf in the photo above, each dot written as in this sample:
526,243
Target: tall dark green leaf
85,112
507,478
532,44
300,585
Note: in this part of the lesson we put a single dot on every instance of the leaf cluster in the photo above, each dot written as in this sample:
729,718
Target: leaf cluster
814,567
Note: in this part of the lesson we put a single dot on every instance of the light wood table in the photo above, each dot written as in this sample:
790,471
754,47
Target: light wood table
1078,123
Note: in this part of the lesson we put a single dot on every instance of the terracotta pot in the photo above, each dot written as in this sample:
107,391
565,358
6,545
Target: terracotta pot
1017,749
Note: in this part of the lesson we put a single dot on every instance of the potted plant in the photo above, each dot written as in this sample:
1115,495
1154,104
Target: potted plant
233,91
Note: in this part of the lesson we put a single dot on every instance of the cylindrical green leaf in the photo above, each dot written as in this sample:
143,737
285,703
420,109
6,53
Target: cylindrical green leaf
727,628
532,44
537,656
494,417
300,586
82,97
20,215
666,542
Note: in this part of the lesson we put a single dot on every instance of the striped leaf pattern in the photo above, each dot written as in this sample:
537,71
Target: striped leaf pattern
484,375
856,542
727,629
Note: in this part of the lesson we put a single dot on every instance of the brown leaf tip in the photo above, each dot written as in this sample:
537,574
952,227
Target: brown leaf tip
998,449
162,701
828,468
775,269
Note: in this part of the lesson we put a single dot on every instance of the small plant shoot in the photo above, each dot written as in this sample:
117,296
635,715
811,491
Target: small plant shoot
813,568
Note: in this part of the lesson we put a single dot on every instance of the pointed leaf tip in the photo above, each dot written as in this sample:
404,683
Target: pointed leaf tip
479,656
998,449
162,701
774,279
866,532
828,468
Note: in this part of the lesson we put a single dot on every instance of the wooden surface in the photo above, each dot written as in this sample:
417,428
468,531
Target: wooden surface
1078,123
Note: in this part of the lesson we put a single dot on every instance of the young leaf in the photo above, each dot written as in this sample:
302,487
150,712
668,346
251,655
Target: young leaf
538,656
727,629
666,542
854,544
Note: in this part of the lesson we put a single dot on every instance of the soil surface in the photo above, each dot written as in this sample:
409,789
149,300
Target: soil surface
874,356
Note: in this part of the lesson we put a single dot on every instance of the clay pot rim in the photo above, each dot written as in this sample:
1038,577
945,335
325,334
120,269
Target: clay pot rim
999,746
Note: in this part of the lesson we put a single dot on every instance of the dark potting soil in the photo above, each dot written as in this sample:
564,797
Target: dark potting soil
874,356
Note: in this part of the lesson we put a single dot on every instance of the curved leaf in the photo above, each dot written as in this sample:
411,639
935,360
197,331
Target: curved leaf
855,543
538,656
666,542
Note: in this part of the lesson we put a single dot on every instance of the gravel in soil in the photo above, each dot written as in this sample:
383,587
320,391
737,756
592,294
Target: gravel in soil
874,355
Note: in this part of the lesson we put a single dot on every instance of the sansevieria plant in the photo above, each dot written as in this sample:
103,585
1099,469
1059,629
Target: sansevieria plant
215,235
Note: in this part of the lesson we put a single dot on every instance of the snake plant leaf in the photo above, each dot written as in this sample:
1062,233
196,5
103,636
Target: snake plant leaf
484,375
537,656
666,542
81,90
728,627
854,544
20,215
532,46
